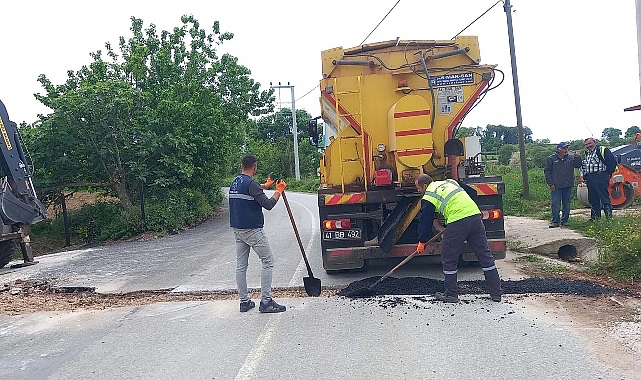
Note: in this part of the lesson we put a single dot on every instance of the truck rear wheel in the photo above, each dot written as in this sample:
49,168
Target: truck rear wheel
7,248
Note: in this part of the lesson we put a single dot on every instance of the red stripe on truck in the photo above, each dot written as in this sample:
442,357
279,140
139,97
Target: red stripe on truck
343,113
412,132
414,152
398,115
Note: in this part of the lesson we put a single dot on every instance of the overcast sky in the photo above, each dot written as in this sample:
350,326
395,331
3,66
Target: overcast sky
577,60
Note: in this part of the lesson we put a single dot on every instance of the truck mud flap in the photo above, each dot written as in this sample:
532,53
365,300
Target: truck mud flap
397,222
497,247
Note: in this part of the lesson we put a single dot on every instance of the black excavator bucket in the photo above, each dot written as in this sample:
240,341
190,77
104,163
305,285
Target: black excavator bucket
15,211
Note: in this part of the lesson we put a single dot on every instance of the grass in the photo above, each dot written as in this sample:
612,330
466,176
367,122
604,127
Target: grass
528,258
516,246
553,269
619,239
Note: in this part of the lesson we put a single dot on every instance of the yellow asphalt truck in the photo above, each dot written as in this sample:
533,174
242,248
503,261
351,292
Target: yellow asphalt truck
390,111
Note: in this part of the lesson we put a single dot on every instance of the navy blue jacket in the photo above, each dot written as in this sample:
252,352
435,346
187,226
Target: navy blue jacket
560,171
246,202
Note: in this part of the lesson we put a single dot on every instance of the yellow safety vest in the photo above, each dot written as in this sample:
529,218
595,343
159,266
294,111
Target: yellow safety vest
450,200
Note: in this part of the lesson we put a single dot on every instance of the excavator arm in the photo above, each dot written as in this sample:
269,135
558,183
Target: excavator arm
19,204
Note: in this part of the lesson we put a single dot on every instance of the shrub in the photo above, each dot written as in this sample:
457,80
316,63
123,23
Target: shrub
619,244
103,221
109,221
176,209
505,153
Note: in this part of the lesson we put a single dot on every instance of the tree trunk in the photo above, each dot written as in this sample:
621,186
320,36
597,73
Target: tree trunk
121,190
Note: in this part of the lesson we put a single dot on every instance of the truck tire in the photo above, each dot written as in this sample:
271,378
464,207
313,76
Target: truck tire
7,248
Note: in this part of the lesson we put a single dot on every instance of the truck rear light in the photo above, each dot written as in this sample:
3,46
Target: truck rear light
491,214
336,224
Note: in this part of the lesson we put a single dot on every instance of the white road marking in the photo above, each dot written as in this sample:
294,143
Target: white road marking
248,369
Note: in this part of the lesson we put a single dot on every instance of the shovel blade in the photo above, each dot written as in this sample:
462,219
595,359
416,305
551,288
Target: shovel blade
312,286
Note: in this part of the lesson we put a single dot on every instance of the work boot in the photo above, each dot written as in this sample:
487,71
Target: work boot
246,306
553,225
445,298
565,224
271,307
496,298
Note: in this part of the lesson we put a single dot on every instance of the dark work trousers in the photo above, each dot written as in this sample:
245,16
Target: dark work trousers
598,195
468,229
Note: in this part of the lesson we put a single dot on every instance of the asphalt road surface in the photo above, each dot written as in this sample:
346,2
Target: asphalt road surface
317,338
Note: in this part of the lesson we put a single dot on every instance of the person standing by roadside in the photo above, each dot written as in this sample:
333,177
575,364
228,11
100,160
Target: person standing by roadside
464,223
246,201
559,175
597,167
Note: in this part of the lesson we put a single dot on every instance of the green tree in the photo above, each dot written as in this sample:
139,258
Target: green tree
271,140
494,136
505,153
611,135
630,132
464,132
536,154
165,111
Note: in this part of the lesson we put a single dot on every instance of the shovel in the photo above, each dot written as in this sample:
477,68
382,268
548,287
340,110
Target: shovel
365,292
312,285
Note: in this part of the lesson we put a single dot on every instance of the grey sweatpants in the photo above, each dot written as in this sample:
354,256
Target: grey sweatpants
256,239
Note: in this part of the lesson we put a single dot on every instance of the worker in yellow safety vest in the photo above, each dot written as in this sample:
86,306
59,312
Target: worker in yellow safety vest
463,223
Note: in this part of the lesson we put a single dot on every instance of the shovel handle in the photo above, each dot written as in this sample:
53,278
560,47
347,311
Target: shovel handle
408,258
300,243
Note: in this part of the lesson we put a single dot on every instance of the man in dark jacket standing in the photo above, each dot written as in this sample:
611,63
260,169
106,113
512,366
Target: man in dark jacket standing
559,175
246,203
598,165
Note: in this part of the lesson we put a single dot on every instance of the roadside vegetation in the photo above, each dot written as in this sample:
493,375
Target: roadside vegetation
154,127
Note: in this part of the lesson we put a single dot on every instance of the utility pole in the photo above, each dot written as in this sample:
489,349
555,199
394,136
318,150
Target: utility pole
507,7
294,128
637,5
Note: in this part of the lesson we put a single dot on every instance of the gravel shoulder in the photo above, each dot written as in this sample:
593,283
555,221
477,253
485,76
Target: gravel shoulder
610,324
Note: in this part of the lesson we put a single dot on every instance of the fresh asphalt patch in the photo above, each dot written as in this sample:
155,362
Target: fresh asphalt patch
418,286
43,295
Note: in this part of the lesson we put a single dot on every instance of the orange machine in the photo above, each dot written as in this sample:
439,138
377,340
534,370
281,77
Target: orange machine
624,183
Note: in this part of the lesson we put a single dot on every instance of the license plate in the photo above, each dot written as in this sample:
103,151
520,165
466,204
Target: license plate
342,235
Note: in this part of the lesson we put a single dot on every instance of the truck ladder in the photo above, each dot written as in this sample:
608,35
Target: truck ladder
358,117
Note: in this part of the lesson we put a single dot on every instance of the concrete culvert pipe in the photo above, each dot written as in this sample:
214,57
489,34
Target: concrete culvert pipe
567,252
582,194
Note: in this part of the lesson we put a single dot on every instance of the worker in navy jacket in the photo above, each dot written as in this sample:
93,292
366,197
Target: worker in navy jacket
246,203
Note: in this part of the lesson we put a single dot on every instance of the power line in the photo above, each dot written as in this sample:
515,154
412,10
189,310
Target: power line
370,33
307,93
476,19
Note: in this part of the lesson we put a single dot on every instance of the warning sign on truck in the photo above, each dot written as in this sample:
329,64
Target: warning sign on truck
452,79
447,96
